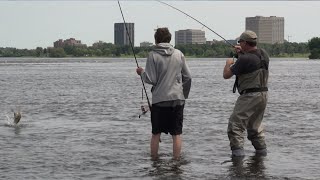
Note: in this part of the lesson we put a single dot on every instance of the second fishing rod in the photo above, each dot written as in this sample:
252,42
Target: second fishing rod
197,21
144,87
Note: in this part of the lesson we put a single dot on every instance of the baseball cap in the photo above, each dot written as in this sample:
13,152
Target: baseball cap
248,36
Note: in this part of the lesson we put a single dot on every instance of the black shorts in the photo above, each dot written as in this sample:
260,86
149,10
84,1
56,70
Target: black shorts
167,119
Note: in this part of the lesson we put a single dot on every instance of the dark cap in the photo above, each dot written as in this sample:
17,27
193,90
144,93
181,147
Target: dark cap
248,36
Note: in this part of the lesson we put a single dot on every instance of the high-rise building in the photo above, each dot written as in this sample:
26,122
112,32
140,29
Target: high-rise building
270,30
120,33
190,36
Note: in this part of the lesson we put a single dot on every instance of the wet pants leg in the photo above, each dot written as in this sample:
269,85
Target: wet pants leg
248,114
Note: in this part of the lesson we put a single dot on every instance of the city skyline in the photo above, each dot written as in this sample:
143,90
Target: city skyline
30,24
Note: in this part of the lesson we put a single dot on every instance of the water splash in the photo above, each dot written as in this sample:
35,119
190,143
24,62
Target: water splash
10,120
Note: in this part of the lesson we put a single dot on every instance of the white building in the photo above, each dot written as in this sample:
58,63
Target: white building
190,36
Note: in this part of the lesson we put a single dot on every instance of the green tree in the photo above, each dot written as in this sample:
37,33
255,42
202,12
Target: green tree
45,51
57,52
314,54
39,51
314,43
69,50
314,47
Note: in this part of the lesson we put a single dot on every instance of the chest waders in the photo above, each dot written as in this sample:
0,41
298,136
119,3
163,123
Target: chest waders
263,64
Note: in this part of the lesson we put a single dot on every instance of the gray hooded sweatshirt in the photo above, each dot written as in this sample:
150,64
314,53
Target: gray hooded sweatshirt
166,70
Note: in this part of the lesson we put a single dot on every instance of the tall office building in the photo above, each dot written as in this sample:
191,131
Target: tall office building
270,30
190,36
120,33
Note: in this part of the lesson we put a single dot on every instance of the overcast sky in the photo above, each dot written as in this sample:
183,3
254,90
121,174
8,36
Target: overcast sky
31,24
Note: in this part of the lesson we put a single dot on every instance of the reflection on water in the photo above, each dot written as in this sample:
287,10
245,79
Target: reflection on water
253,167
17,127
17,130
168,168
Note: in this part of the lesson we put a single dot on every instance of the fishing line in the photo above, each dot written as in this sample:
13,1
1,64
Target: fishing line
145,91
197,21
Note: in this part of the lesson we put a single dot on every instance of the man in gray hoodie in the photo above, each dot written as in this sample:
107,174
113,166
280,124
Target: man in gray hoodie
166,70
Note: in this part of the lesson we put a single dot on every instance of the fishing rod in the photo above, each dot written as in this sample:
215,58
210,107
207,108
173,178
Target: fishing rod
144,87
196,20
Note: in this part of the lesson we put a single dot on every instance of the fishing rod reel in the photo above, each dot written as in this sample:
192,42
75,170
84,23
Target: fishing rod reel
144,108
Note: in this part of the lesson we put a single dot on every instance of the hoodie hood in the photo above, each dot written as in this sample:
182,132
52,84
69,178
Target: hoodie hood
164,49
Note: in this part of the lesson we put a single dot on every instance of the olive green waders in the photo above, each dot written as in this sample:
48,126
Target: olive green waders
247,115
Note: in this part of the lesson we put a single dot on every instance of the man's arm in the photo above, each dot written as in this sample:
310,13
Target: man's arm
227,73
149,75
186,78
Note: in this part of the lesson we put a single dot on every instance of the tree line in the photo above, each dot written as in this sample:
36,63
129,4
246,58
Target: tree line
216,50
314,47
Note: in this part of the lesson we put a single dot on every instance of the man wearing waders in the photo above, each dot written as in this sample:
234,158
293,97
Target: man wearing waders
166,70
251,70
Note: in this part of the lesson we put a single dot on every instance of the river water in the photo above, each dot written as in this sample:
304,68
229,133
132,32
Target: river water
80,121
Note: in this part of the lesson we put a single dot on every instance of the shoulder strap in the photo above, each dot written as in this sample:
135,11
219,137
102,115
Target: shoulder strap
235,85
263,62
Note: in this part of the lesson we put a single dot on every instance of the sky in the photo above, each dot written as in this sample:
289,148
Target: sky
31,24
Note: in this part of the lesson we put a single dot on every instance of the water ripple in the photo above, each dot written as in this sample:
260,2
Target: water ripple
80,121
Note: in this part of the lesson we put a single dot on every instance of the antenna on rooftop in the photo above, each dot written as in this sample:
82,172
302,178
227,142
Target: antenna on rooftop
289,38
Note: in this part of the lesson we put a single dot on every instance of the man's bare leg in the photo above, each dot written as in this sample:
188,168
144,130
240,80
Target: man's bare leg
154,145
177,142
